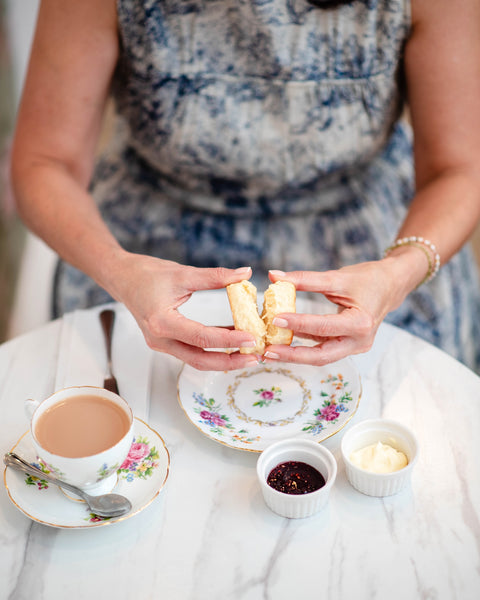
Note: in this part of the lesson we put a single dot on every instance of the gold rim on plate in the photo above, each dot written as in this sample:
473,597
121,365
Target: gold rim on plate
99,523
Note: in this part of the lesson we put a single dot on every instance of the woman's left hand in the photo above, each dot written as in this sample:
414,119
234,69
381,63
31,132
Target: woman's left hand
364,294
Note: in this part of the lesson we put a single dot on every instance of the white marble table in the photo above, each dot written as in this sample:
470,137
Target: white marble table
209,534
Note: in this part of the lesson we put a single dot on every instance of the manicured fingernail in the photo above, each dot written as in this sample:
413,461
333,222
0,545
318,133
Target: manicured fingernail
278,273
248,344
280,322
270,354
252,362
242,270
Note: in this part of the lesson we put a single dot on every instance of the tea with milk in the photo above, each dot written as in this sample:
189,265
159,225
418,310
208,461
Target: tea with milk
81,426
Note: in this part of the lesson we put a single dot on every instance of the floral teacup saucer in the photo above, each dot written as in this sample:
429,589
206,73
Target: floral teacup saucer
140,478
249,409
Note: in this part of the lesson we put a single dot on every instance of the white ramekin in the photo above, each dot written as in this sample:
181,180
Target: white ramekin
370,432
307,451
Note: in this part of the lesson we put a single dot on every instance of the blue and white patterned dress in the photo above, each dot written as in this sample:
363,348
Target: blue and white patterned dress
268,133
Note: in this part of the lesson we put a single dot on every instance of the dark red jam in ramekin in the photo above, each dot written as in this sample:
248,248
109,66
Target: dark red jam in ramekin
295,477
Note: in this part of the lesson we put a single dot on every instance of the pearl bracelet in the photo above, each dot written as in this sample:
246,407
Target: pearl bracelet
433,257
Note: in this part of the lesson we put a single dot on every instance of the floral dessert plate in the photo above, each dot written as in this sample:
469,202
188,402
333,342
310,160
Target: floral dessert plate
250,409
140,478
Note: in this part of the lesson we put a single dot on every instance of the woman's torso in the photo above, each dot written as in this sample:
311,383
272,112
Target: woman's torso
231,104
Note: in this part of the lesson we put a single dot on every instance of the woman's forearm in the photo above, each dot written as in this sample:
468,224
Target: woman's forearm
446,211
73,58
59,210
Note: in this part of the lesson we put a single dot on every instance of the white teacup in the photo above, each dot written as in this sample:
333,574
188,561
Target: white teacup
82,435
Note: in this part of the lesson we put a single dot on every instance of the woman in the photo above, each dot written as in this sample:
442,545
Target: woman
264,133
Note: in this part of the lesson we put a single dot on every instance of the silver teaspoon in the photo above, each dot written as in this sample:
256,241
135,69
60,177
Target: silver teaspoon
106,505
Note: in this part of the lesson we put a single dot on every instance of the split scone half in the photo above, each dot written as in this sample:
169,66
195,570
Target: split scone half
278,298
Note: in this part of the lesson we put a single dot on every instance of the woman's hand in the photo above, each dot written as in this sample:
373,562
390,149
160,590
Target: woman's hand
364,294
154,289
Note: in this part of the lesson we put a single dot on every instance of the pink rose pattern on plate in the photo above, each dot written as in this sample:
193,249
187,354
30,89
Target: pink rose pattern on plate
219,424
332,405
266,397
140,463
45,468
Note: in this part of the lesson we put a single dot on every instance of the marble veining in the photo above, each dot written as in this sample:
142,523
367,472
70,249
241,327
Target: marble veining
209,534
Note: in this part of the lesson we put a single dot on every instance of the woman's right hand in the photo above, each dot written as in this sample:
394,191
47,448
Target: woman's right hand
153,290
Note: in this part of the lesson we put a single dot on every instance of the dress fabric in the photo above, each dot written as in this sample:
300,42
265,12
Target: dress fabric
268,133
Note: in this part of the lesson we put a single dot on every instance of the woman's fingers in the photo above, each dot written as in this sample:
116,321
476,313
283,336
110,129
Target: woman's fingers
324,353
324,282
175,326
351,322
215,278
205,360
363,295
165,329
350,331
